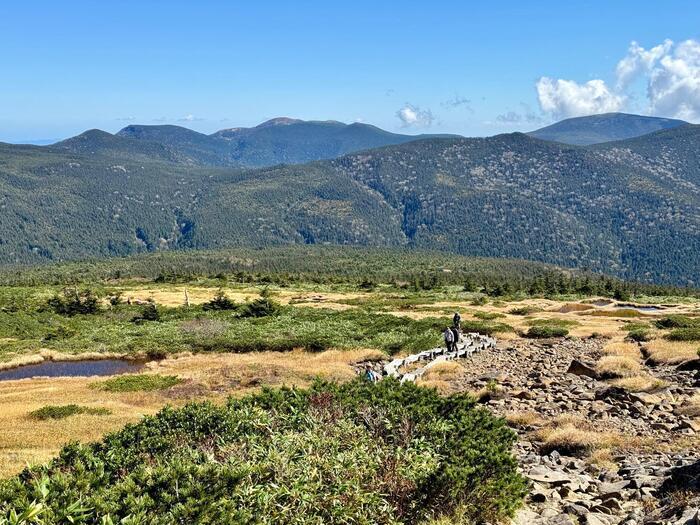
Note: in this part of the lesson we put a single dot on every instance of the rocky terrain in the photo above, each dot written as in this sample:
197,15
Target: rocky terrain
596,454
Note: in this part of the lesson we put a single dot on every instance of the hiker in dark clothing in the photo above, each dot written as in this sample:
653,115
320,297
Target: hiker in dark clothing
457,321
449,339
455,333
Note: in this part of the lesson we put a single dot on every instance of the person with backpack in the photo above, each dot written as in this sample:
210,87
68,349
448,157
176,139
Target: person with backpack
449,339
457,321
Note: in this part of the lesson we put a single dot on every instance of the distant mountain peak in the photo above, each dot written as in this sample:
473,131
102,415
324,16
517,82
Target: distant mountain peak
279,121
606,127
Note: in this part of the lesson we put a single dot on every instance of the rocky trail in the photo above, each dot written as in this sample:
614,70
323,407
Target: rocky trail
563,412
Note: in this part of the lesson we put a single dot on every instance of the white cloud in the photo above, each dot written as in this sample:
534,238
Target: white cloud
669,71
567,98
638,62
674,83
413,116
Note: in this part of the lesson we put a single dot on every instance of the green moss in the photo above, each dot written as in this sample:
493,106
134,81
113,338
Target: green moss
137,383
64,411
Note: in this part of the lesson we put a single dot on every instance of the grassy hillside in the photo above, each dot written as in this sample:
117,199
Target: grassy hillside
627,208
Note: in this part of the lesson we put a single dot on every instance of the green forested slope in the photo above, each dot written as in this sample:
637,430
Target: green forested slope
627,208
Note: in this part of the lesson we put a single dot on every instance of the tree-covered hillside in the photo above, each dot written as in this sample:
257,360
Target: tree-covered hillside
595,129
628,208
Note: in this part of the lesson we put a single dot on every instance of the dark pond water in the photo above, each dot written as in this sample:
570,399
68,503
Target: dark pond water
640,308
86,368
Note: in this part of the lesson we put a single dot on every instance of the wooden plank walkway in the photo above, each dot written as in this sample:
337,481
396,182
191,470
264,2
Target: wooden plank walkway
472,344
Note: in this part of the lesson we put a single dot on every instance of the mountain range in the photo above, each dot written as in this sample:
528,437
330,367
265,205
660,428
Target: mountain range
277,141
628,208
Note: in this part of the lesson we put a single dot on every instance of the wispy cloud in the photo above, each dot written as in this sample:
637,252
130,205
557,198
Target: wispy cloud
526,116
189,118
458,101
414,116
125,119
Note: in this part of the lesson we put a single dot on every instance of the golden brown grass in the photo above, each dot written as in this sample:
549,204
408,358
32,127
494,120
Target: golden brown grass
574,307
441,376
206,376
671,352
524,419
572,434
602,458
615,366
623,349
640,383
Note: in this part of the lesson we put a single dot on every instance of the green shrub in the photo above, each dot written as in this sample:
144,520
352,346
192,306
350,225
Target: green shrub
357,453
137,383
485,327
684,334
552,323
677,321
488,316
543,332
639,335
629,327
524,310
73,302
220,302
64,411
262,307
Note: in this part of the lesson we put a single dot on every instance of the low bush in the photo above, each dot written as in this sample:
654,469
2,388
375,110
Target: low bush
485,327
220,302
677,321
64,411
357,453
640,335
137,383
544,332
488,316
552,323
262,307
524,310
684,334
73,302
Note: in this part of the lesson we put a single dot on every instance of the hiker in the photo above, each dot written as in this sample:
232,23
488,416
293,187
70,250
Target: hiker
457,321
449,339
455,333
371,375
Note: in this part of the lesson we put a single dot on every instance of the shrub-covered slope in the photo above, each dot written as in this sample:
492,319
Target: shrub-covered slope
358,453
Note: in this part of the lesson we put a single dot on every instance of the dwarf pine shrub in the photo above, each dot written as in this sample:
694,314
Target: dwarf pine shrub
353,453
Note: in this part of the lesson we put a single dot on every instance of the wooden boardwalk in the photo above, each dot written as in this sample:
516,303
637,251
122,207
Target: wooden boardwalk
472,343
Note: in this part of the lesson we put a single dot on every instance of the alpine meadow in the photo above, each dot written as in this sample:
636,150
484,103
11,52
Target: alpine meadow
350,264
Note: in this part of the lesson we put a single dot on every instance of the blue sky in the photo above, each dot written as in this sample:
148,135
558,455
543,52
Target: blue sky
474,68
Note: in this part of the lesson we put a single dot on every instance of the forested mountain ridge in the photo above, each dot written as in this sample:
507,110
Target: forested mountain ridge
277,141
607,127
627,208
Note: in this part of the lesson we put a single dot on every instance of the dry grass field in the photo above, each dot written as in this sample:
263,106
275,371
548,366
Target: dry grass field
205,376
